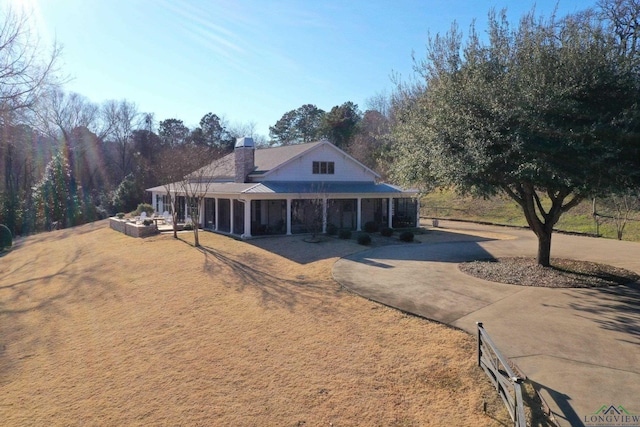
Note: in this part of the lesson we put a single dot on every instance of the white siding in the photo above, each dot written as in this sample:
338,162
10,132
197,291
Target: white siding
300,169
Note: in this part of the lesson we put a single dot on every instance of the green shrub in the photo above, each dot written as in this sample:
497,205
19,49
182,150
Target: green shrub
6,239
364,239
126,195
147,222
371,227
345,234
332,230
120,215
188,226
406,236
386,231
143,207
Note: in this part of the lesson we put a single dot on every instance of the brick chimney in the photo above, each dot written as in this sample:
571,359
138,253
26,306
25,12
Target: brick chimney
244,152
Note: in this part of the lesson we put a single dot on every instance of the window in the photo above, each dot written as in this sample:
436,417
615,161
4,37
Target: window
323,168
163,203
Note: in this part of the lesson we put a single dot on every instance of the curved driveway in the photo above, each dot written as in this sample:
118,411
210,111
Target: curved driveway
579,347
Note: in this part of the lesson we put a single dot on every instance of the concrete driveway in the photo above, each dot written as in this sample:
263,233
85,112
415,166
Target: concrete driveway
579,347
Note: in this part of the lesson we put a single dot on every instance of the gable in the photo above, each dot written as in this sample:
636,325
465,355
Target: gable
294,163
331,164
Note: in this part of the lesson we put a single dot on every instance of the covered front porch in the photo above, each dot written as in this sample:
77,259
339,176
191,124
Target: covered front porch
310,209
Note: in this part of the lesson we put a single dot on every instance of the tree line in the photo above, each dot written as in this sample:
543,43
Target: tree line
65,160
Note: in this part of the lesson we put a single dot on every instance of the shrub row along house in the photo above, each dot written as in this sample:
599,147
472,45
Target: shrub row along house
305,188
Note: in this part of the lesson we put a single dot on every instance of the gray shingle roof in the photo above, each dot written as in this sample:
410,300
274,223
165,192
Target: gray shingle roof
221,169
266,159
270,158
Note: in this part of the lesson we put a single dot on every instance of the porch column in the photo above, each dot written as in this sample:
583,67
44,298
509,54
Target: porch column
216,213
324,215
288,217
201,211
417,211
359,214
390,213
247,219
231,228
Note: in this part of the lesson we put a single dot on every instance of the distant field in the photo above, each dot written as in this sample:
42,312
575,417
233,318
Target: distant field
502,210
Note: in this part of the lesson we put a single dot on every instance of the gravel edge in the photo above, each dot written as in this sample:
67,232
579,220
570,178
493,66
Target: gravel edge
563,273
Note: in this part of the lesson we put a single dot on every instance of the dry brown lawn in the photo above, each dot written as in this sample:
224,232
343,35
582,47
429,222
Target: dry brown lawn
97,328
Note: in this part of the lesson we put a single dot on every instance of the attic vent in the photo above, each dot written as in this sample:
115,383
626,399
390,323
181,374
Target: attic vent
323,168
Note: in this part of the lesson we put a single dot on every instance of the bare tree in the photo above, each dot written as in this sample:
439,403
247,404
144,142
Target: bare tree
197,183
188,171
25,74
309,210
373,143
171,169
122,118
64,116
622,206
59,113
624,20
247,129
379,102
27,71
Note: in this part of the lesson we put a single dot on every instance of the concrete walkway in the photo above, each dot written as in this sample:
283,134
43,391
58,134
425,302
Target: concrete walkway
579,347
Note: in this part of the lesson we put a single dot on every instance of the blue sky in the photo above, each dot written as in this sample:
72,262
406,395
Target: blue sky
249,60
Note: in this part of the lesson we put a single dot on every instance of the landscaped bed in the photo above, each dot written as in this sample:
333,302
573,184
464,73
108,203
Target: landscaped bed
97,328
563,273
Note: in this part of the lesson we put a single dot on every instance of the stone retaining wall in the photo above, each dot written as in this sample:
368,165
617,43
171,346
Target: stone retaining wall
132,229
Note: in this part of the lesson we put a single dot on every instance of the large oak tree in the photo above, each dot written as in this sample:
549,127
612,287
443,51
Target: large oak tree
545,111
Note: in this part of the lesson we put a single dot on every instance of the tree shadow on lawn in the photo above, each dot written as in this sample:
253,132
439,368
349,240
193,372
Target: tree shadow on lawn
274,290
23,292
14,291
616,308
55,235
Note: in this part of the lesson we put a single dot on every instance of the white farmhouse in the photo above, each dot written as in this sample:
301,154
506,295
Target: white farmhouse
289,190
